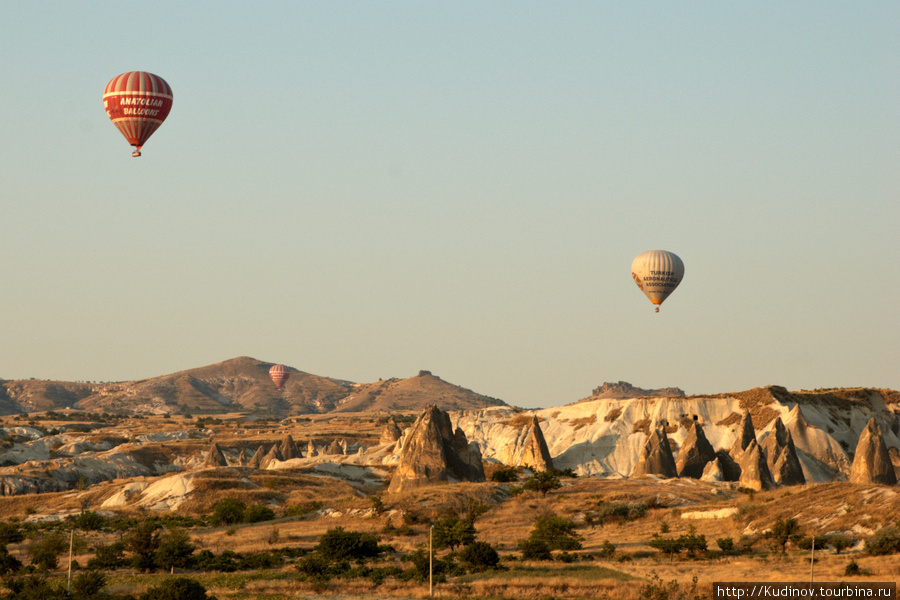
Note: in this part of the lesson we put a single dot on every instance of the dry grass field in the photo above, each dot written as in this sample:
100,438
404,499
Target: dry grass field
308,505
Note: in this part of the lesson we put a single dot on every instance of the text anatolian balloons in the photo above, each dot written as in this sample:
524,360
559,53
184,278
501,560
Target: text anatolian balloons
279,374
657,273
137,103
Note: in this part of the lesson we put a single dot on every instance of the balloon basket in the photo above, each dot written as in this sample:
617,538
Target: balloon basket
136,153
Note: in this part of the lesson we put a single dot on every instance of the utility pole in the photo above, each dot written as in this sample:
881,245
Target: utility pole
812,559
430,562
71,545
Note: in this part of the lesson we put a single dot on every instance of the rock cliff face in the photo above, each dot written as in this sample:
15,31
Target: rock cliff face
721,468
751,458
256,460
781,456
289,448
215,458
656,457
755,472
872,462
390,433
536,454
432,452
695,452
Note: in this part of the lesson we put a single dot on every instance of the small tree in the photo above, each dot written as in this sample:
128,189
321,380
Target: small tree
89,521
783,531
108,557
45,551
557,532
175,549
451,532
142,541
10,533
543,482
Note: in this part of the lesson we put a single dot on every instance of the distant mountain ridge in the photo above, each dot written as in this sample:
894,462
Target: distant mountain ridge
239,384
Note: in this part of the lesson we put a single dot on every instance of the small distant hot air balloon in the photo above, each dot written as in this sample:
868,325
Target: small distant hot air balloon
279,374
137,103
657,273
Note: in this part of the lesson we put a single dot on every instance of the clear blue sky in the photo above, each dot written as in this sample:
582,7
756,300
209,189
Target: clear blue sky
362,190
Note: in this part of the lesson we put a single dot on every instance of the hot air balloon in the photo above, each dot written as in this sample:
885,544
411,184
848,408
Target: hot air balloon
137,103
657,273
279,374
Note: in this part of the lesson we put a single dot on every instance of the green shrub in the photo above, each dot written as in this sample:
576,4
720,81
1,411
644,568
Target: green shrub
108,557
852,568
885,541
337,544
534,550
620,511
726,545
89,521
87,585
607,550
557,532
543,482
177,588
228,512
256,514
505,475
479,556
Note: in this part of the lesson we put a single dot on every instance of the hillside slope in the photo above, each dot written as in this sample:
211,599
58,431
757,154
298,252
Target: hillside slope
240,384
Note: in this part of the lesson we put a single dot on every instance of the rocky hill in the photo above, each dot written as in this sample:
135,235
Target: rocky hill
623,389
413,393
240,384
606,437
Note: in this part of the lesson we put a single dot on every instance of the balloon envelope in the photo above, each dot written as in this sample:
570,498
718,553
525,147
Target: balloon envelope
279,374
657,273
137,102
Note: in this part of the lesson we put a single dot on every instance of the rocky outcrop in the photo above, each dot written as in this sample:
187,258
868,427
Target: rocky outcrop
781,456
272,455
242,459
721,468
334,448
751,458
746,436
311,449
872,462
289,448
536,455
390,433
656,457
695,453
214,458
755,469
623,389
433,452
255,461
821,456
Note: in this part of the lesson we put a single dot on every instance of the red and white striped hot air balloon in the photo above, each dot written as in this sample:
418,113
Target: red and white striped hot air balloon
279,374
137,102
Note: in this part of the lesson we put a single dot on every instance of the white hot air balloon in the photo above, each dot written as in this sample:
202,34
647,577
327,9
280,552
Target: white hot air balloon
657,273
